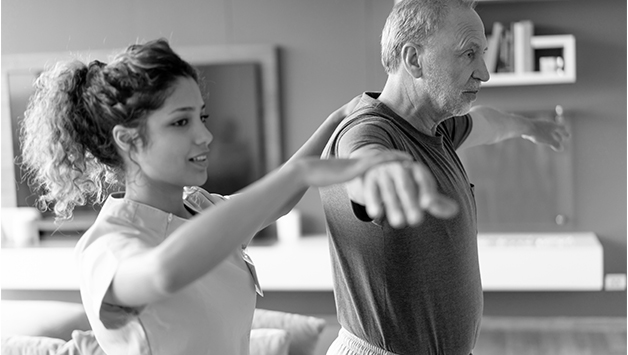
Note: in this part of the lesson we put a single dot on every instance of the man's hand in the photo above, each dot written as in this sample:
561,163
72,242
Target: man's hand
402,191
547,132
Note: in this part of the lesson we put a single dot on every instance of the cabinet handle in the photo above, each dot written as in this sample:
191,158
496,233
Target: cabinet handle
559,117
561,219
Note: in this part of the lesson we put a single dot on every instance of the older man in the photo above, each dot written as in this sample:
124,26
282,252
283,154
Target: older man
408,282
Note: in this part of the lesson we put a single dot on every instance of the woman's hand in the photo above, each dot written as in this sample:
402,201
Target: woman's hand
318,172
345,110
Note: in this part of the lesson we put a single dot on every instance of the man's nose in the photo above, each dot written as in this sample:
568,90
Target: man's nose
481,72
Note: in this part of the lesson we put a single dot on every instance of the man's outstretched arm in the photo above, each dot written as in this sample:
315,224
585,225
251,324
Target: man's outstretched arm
491,126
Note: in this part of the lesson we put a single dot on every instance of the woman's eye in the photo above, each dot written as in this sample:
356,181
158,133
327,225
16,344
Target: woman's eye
204,118
181,122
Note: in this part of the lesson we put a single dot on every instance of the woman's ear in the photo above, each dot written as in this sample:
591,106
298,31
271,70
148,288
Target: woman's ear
124,137
411,59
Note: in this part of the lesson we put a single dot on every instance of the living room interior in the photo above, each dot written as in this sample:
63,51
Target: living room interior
554,261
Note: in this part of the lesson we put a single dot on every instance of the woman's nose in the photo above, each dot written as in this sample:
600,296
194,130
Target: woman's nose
204,136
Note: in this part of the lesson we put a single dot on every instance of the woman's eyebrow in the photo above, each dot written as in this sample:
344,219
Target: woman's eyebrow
186,109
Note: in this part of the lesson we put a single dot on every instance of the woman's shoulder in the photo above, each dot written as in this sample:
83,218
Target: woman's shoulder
119,223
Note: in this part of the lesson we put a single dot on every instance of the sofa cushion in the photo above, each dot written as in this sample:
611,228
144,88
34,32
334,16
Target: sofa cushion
304,330
54,319
30,345
269,342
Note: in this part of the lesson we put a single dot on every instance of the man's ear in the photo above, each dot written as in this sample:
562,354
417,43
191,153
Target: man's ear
124,137
411,59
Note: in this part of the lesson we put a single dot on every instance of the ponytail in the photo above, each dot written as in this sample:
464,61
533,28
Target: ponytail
53,150
68,149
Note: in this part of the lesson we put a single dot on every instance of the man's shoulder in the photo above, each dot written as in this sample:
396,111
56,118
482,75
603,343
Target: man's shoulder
457,128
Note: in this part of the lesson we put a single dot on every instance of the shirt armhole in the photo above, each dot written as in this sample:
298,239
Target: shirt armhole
98,267
359,211
371,134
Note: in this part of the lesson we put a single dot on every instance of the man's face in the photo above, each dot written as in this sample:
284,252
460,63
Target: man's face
453,64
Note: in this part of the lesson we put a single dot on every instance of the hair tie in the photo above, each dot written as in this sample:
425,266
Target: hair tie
95,64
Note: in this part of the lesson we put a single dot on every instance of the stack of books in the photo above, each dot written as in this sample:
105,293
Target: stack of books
509,48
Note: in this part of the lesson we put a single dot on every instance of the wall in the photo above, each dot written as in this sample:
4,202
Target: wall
330,53
597,106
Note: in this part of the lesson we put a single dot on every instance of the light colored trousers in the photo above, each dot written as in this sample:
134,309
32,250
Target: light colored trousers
349,344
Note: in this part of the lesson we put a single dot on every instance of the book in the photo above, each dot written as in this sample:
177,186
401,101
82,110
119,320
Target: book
522,32
492,52
504,61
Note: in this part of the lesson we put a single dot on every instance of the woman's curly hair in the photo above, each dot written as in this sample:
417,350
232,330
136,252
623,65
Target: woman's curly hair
68,150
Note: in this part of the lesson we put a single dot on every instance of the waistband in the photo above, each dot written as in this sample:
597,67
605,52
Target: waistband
360,346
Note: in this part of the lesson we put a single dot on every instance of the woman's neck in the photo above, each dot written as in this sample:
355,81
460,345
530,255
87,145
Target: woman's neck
169,200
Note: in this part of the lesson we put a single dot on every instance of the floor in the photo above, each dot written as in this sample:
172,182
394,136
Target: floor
552,336
534,336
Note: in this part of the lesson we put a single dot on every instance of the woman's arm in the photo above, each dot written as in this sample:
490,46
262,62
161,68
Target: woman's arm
314,147
207,239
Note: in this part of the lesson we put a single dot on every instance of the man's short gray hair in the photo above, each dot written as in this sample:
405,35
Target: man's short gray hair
413,21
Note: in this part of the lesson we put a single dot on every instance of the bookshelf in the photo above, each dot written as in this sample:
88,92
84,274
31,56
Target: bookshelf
564,44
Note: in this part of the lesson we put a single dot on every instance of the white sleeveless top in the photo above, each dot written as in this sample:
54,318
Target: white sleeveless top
213,315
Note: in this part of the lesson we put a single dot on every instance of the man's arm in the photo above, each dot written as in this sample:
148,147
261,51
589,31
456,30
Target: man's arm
491,126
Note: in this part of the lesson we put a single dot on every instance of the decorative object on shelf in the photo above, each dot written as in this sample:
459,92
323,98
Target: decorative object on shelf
20,226
289,227
552,65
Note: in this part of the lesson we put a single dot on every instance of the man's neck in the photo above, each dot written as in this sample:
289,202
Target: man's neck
402,98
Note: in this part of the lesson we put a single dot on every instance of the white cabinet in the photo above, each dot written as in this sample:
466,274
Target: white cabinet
508,262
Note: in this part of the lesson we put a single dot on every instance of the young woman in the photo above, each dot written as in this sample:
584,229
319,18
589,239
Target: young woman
163,269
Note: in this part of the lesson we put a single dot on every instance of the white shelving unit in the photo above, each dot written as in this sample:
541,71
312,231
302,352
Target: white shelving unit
565,42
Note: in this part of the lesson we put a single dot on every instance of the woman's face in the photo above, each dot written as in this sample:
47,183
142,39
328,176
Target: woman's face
177,147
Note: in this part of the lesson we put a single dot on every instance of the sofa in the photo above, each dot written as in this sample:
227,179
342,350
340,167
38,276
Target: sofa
34,327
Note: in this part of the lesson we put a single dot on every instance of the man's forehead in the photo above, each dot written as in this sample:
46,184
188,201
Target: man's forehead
462,28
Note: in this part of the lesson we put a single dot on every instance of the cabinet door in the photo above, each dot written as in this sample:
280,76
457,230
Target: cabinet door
521,186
